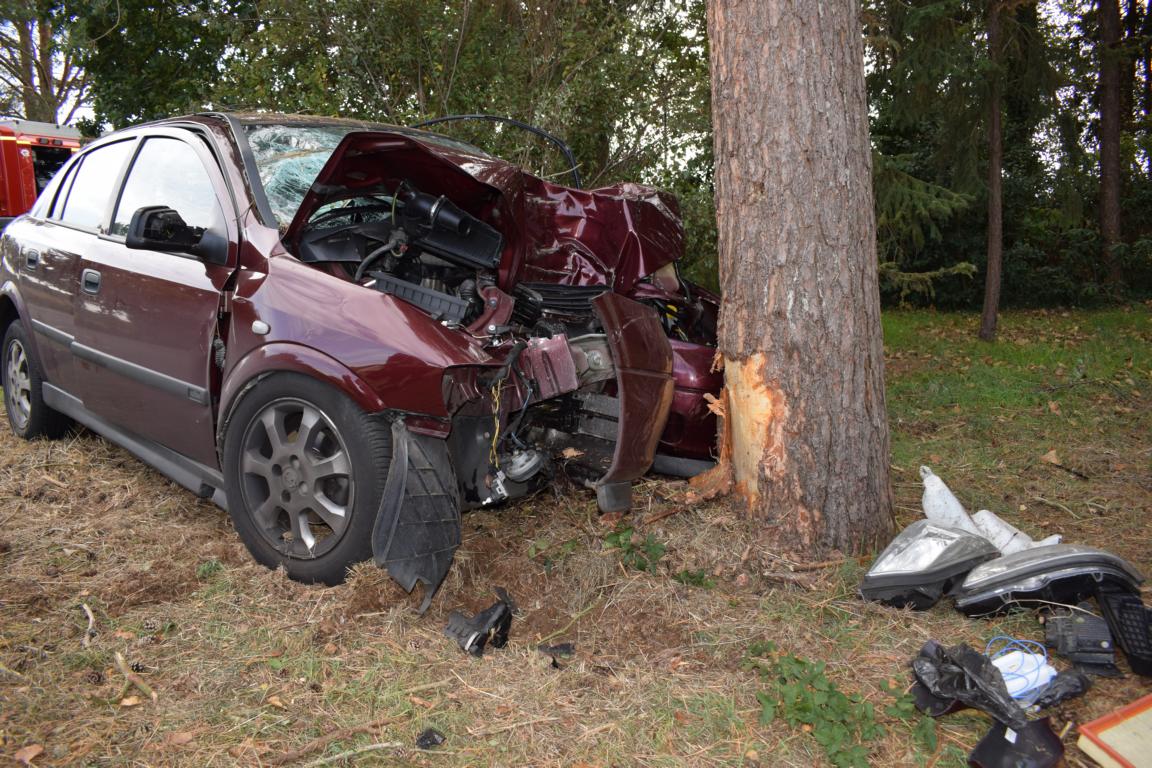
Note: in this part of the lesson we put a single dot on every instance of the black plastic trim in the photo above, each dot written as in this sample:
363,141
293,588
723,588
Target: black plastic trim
178,468
52,334
678,466
251,171
161,381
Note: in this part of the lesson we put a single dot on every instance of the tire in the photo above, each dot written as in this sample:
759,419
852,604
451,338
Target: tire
304,471
28,415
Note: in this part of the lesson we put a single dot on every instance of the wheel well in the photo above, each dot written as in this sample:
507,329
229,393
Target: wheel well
8,312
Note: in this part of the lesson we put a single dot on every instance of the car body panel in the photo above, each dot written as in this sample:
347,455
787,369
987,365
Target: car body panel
580,334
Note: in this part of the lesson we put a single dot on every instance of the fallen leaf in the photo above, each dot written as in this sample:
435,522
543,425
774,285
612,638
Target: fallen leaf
276,701
1051,458
122,634
610,519
178,738
130,701
421,702
27,754
1054,407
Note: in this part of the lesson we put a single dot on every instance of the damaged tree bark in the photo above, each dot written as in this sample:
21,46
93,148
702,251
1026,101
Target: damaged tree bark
806,433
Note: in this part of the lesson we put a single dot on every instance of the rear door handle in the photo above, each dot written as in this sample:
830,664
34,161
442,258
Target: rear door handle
31,258
90,281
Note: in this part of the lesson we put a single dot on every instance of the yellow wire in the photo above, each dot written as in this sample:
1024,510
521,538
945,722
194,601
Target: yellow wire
496,425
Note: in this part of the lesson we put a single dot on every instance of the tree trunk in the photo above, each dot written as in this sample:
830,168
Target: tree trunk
992,279
1146,58
807,430
1111,65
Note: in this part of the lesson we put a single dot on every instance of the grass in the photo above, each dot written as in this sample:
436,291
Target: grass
248,666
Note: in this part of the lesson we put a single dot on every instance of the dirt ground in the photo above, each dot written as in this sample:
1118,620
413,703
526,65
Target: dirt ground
240,666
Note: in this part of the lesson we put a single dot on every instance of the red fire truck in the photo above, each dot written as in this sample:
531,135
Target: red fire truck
30,154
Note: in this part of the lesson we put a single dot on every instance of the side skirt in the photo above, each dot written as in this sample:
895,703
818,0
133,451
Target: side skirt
205,482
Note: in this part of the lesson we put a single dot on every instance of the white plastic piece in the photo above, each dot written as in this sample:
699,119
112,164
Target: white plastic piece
942,507
1024,672
1007,537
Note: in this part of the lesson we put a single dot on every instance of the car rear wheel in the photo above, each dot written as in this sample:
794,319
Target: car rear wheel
23,399
305,469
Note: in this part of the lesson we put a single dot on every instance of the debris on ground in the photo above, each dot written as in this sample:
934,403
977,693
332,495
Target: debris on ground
1082,637
1035,745
489,627
430,738
1010,680
943,508
1122,737
923,563
1131,624
963,675
1023,664
557,652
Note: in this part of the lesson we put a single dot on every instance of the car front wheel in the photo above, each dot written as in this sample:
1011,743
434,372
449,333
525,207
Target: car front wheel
305,468
23,400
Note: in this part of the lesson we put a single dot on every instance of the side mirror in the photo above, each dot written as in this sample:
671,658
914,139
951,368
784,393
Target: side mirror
160,228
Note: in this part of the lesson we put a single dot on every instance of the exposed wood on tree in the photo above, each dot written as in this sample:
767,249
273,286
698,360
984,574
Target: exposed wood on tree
800,327
992,275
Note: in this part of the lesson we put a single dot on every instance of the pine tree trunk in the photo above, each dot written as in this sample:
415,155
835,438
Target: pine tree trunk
992,277
800,325
1146,57
1111,66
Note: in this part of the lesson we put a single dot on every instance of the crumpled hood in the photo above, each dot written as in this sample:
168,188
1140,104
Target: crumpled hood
612,236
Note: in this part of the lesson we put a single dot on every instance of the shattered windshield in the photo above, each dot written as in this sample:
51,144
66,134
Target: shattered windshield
290,157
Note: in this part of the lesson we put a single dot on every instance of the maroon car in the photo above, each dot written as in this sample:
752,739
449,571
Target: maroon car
347,333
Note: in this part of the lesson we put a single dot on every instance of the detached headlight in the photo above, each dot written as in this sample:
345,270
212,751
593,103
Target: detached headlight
923,563
1061,573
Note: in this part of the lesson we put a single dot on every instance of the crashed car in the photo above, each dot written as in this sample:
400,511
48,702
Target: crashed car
346,333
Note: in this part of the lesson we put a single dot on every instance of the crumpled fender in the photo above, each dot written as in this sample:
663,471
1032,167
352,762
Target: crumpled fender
643,359
417,527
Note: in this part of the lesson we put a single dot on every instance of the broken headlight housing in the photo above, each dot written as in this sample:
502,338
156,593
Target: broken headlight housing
923,563
1060,573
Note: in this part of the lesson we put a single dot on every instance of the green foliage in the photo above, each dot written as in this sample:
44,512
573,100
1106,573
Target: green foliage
550,554
800,693
641,554
695,578
148,60
208,568
909,211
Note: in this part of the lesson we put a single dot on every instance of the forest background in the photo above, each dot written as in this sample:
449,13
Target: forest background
625,83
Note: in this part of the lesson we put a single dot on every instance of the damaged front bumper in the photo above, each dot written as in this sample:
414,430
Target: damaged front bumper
595,406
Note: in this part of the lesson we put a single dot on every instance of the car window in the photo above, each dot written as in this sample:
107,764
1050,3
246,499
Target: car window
92,184
168,172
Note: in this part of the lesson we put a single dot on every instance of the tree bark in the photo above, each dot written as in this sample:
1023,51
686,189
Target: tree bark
1146,59
992,276
1111,71
807,430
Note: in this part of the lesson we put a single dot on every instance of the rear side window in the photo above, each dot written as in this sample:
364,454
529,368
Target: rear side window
168,172
92,185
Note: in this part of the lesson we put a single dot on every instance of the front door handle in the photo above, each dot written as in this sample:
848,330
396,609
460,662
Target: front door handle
31,258
90,281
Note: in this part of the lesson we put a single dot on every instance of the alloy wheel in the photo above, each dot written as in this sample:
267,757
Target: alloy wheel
18,384
296,478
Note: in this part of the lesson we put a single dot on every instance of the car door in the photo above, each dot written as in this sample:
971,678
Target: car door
52,240
146,320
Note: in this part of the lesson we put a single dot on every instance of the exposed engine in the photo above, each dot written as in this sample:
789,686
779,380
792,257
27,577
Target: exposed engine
418,247
556,397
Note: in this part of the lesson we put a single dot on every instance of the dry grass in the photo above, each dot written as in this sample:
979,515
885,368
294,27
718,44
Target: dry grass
248,667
